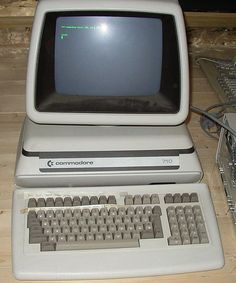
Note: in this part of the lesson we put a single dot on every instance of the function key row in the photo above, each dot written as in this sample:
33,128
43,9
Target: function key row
181,198
71,201
141,199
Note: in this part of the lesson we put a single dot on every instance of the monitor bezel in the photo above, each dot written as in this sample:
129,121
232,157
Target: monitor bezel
50,117
49,100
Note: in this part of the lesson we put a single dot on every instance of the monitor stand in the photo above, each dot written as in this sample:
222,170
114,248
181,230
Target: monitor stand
72,155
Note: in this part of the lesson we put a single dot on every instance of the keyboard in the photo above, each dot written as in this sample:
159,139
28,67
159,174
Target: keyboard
221,75
113,232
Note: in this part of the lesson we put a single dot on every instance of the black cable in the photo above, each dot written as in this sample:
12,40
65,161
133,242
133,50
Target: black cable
213,118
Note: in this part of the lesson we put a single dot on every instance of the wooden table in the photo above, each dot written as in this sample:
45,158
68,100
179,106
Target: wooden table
12,83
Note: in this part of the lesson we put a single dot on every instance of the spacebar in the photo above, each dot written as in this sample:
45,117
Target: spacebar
100,244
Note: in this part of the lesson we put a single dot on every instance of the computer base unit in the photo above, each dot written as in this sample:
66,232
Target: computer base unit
226,160
56,155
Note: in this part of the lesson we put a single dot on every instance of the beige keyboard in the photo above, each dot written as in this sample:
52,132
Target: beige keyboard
120,231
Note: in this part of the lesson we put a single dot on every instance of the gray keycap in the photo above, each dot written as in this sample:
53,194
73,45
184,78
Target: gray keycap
35,230
195,239
32,218
95,212
99,236
121,211
76,201
54,222
86,212
139,210
77,213
49,214
146,199
49,202
113,211
62,238
177,198
101,244
147,234
156,210
108,236
148,210
67,201
59,202
193,197
168,198
47,231
174,241
71,237
118,219
102,200
130,211
91,220
75,229
126,235
103,212
41,202
89,236
37,238
94,200
33,222
137,199
155,199
117,236
157,226
128,200
186,240
47,246
111,199
32,202
203,237
93,228
185,197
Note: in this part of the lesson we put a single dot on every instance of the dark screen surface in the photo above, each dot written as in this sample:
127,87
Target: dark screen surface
108,62
108,56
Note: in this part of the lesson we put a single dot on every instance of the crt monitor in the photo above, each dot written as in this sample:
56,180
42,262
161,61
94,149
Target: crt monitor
108,62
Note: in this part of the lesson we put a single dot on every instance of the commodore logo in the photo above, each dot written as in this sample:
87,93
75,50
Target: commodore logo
50,163
62,163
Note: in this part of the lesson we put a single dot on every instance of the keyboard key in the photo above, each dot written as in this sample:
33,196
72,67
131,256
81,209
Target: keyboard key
146,199
177,198
147,234
76,201
94,200
155,199
59,202
168,198
128,200
47,246
185,197
32,202
193,197
102,244
137,199
174,240
102,200
41,202
67,201
111,199
49,202
85,200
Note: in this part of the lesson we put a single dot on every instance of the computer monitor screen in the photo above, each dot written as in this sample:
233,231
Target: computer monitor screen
108,62
109,56
104,62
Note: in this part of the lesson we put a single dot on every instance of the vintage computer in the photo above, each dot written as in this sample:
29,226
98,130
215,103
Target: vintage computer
106,168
